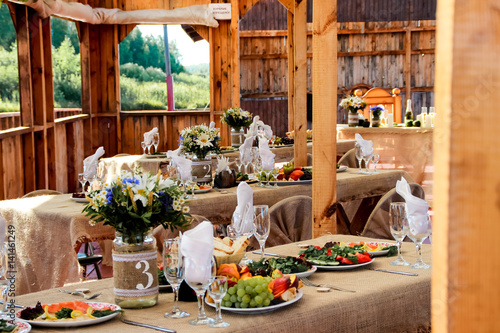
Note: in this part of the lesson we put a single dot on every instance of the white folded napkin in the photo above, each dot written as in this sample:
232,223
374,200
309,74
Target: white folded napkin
257,127
197,246
212,124
243,214
90,164
183,164
222,164
246,150
3,229
416,208
266,155
366,145
149,136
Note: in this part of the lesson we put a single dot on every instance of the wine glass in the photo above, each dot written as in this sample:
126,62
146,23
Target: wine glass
192,182
398,225
262,224
367,158
375,160
419,228
243,227
255,158
184,176
156,141
198,277
217,289
359,154
143,145
149,144
82,180
237,161
275,172
174,273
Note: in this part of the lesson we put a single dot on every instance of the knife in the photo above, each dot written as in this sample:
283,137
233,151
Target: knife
393,272
158,328
270,254
15,305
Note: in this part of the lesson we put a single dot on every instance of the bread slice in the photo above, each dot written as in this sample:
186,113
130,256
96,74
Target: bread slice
218,253
228,241
219,245
240,245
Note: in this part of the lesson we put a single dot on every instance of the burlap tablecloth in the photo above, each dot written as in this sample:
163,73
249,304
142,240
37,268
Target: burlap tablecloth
383,302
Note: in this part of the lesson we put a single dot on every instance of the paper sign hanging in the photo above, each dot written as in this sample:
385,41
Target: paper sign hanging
221,11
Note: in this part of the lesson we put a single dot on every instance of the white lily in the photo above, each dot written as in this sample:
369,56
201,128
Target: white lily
204,140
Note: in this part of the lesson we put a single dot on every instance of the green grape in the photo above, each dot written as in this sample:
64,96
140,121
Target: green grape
244,305
260,305
241,292
258,299
226,297
258,289
237,305
263,295
252,303
240,298
228,304
265,286
270,296
266,302
232,290
252,282
248,289
246,299
234,298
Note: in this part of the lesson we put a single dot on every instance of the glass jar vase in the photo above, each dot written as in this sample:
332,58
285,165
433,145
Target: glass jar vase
134,270
352,119
237,136
202,168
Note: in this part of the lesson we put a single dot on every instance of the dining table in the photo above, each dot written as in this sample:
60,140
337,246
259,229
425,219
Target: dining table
50,229
379,301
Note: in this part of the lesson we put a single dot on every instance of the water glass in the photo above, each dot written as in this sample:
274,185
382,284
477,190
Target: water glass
237,161
82,180
217,289
399,228
191,185
199,277
243,227
359,154
156,141
367,158
262,224
419,228
375,160
143,145
174,273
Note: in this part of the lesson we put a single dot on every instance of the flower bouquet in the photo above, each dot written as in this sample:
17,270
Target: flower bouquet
236,118
200,140
352,104
376,111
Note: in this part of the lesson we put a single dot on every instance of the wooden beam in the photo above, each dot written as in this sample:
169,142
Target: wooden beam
324,75
85,63
24,65
407,65
235,53
300,82
291,73
289,4
466,202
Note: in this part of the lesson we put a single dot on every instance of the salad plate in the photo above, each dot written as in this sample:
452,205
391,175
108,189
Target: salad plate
306,273
251,311
69,323
371,245
22,327
288,183
204,189
342,168
80,200
343,267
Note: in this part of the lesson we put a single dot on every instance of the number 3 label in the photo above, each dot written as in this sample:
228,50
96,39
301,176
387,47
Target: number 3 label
140,286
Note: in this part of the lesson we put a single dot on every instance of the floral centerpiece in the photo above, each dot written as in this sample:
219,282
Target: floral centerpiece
236,118
136,203
200,140
353,104
376,111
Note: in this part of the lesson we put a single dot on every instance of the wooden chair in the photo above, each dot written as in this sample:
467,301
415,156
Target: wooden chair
90,258
349,159
376,96
37,193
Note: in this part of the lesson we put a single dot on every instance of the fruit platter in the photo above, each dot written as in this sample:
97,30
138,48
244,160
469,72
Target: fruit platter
288,175
335,256
374,248
253,294
69,314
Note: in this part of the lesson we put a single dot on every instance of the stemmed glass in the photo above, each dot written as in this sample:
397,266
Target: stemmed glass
237,161
243,227
156,141
192,184
375,160
262,224
150,144
398,225
184,177
217,289
82,180
418,232
275,172
199,277
144,146
367,158
359,154
246,160
174,273
255,158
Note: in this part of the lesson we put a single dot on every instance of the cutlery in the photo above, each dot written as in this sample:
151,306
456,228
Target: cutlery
15,305
271,254
308,282
393,272
79,293
158,328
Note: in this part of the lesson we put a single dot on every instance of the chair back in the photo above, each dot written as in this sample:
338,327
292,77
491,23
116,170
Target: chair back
349,159
309,160
376,96
377,225
37,193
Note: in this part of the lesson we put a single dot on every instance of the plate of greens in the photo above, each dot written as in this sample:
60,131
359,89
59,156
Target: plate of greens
334,256
288,265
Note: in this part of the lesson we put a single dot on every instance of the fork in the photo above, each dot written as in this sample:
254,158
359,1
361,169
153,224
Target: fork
308,282
81,294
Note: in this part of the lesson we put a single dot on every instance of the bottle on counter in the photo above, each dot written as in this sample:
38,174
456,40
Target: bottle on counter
409,111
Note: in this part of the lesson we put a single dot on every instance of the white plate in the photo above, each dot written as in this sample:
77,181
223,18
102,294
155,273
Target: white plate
80,200
287,183
96,306
23,327
343,267
342,168
306,273
162,155
381,252
204,190
260,310
249,181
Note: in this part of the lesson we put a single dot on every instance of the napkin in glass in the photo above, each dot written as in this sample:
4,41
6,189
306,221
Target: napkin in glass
197,245
416,208
149,136
212,124
258,125
90,164
366,145
183,164
246,150
243,214
266,155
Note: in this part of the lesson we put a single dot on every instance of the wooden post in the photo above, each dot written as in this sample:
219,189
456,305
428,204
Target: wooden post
235,54
465,288
324,71
300,82
291,73
407,65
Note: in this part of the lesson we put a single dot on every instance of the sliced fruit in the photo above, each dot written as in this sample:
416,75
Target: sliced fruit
47,313
89,312
53,308
76,313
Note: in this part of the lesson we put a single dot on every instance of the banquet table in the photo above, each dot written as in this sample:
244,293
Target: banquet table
49,228
405,148
150,163
383,302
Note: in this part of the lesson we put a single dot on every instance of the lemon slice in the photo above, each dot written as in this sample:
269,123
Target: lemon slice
46,309
76,313
89,312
